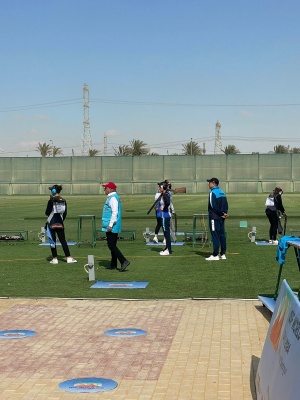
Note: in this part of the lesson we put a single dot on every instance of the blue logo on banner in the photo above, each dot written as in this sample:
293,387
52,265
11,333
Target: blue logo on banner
16,334
88,385
125,332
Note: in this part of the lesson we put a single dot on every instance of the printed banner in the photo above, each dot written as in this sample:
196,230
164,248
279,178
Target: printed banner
119,285
277,376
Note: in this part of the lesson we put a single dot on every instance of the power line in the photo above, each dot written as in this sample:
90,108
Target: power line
68,102
147,103
58,103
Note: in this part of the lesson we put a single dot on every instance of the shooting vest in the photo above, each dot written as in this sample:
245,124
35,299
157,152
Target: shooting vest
107,213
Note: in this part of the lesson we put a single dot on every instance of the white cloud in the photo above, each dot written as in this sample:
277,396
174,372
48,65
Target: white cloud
42,117
18,117
246,114
112,132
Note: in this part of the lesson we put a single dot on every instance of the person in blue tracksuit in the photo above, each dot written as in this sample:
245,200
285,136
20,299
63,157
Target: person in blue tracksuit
164,212
112,225
217,213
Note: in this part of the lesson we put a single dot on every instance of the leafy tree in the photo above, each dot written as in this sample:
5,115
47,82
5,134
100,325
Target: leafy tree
124,150
295,150
56,151
153,154
281,149
191,148
138,148
231,149
93,152
44,149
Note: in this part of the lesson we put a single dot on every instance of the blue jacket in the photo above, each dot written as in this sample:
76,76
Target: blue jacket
217,203
282,248
107,213
163,206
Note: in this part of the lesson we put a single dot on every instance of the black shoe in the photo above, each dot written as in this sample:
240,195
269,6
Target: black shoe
124,265
110,267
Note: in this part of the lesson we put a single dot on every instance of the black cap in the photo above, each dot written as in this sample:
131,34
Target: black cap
214,180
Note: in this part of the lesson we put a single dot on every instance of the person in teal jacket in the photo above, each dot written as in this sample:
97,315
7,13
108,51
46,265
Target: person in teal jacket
217,213
112,225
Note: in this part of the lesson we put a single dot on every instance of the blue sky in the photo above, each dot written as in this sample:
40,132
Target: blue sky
161,71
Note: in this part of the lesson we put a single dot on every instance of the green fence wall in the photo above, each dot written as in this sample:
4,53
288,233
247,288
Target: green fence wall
239,173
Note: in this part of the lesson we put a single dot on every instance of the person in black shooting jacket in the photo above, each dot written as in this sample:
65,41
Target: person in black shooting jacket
56,212
274,208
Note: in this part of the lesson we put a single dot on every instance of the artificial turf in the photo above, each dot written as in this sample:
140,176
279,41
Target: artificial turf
248,271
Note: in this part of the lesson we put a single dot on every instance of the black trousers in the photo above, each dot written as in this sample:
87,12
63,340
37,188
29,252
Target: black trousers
112,239
61,237
273,219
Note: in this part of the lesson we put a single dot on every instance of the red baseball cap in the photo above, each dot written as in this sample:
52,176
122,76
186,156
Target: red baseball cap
109,185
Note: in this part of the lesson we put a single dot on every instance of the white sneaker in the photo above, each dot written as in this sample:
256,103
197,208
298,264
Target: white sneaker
164,241
155,240
222,257
271,241
164,253
275,242
212,258
54,261
71,260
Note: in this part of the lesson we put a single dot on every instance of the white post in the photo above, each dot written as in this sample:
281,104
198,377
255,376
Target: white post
91,266
42,235
147,235
253,233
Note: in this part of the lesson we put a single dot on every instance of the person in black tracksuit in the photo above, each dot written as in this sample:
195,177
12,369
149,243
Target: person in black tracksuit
217,213
274,208
56,212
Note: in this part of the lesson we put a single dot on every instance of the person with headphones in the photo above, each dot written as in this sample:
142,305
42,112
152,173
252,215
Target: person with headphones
56,212
164,212
274,210
168,186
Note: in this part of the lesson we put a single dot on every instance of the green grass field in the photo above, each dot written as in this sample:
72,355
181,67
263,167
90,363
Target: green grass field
248,271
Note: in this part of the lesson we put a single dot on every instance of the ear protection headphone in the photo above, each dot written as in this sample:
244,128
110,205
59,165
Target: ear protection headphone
55,188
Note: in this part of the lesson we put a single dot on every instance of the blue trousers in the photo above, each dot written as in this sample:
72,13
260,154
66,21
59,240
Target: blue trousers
217,230
166,229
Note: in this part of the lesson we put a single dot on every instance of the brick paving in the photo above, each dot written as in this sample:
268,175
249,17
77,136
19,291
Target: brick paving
193,349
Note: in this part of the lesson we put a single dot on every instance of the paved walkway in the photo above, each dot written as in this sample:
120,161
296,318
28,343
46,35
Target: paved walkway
193,349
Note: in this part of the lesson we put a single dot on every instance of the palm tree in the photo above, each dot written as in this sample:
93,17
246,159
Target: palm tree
44,149
93,152
123,150
138,148
231,149
295,150
56,151
191,148
281,149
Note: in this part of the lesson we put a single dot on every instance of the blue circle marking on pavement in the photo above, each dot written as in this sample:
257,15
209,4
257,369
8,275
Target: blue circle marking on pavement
16,334
125,332
88,385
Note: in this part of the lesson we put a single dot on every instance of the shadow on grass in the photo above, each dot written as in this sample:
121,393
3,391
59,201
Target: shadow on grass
157,249
203,254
